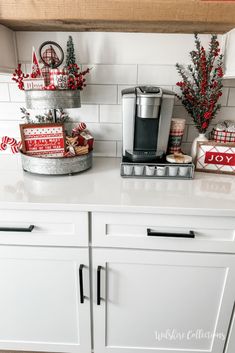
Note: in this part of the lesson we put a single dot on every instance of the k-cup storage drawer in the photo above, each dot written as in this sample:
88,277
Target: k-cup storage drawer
32,227
169,232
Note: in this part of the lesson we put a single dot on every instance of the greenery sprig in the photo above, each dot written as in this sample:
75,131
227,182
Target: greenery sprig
201,84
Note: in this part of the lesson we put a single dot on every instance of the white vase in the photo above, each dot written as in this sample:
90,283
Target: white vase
199,138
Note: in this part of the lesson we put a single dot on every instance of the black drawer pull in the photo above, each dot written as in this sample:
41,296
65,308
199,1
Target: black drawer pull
17,229
81,284
98,284
191,234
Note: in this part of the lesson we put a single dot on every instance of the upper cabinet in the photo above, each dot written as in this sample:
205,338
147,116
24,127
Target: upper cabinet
229,54
8,53
170,16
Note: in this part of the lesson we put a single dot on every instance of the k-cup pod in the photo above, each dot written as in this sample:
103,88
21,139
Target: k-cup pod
149,170
183,171
139,169
172,170
128,169
161,171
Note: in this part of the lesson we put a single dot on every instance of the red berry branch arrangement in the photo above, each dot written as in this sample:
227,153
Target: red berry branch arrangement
19,76
77,79
201,84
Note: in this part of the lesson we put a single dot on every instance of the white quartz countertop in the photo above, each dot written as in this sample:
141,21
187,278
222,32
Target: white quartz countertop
102,189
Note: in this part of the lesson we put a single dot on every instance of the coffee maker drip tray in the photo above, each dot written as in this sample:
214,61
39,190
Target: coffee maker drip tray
143,156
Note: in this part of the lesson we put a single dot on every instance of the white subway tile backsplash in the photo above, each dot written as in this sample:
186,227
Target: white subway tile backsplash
119,148
120,88
4,92
106,132
231,97
87,113
102,132
5,78
9,128
105,148
110,113
225,113
16,95
157,75
185,136
192,133
229,83
111,74
99,94
180,112
10,111
186,148
224,98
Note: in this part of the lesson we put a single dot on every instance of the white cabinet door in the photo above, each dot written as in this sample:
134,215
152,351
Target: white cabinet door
155,301
230,344
8,56
40,308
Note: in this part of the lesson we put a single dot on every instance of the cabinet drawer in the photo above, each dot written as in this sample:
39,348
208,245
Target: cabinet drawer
170,232
58,228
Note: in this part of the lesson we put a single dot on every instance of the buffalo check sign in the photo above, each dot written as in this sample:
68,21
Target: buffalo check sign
215,157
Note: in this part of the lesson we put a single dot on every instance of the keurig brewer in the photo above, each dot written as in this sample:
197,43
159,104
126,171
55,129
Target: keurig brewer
147,113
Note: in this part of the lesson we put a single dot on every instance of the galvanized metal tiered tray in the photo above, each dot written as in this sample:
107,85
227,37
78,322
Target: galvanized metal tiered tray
157,170
56,165
43,99
46,99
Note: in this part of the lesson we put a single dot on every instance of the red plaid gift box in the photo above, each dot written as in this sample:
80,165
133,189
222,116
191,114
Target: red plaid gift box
222,136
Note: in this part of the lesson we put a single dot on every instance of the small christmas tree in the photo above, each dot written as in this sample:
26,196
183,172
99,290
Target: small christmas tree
70,57
201,84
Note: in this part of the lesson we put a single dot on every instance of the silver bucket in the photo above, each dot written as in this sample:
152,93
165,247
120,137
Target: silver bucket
40,99
56,166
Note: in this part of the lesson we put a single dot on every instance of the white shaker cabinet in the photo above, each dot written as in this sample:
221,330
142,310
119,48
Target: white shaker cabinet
40,299
161,301
8,54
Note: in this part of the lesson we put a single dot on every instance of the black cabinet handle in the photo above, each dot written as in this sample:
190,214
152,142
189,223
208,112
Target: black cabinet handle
17,229
81,284
98,284
150,233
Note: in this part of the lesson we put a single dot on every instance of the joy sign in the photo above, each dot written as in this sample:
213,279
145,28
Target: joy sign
220,158
216,157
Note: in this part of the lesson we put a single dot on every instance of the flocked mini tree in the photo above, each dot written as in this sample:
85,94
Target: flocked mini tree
70,56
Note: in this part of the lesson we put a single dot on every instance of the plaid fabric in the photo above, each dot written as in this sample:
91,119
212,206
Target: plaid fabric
46,75
222,136
172,150
175,140
51,58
